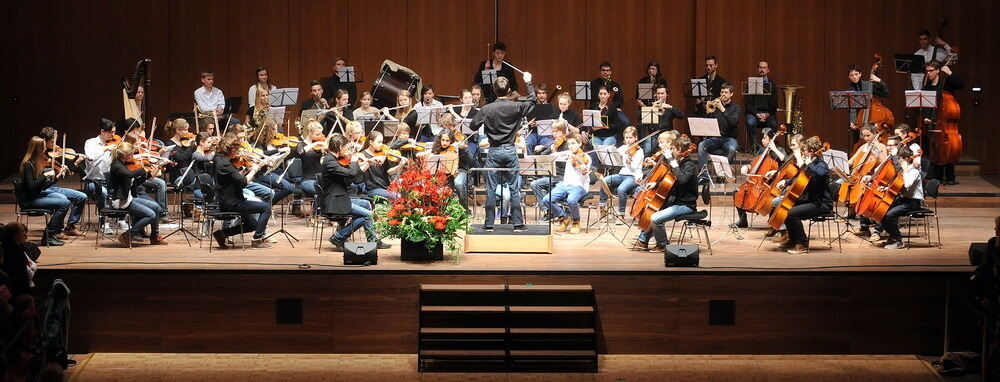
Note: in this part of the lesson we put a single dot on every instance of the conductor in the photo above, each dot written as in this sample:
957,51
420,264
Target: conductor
502,120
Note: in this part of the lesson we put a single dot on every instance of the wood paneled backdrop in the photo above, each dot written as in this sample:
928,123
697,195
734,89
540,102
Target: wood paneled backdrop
66,58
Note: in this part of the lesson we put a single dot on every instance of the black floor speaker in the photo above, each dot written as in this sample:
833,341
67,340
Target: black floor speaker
683,255
363,253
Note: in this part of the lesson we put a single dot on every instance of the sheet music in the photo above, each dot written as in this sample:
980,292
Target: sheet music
591,118
582,90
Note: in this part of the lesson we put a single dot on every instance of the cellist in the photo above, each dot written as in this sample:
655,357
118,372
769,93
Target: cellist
815,200
951,83
768,147
878,150
683,197
907,201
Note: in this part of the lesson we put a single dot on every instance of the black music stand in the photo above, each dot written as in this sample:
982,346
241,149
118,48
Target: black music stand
697,88
909,63
232,105
645,92
489,77
282,230
284,97
850,100
348,74
757,86
582,91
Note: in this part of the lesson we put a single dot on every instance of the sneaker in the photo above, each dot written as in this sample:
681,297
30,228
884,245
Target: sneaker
786,246
259,244
564,223
519,228
157,240
658,248
107,229
798,249
122,225
874,237
781,237
338,245
220,238
575,228
383,245
896,244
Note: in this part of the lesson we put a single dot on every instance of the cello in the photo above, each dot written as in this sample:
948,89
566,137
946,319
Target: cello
650,201
795,190
876,113
875,202
753,188
851,190
947,142
787,171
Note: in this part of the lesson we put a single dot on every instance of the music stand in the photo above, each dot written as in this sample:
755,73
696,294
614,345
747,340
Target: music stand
697,88
544,127
388,127
308,114
592,119
921,99
649,116
284,97
277,114
232,105
347,74
850,100
582,91
646,92
909,63
489,76
428,116
837,159
720,167
756,86
608,157
704,127
282,230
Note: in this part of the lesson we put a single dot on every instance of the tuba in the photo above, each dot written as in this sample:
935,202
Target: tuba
793,107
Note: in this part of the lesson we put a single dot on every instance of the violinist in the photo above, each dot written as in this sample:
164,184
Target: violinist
465,159
571,189
53,149
181,147
385,163
202,157
402,136
132,132
667,114
355,135
275,163
36,192
727,113
623,183
77,198
310,152
337,178
541,186
250,156
125,178
951,83
231,183
206,125
769,146
683,197
99,154
816,200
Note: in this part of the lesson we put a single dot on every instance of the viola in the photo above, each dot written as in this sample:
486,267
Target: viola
876,113
755,186
792,195
651,200
389,154
58,152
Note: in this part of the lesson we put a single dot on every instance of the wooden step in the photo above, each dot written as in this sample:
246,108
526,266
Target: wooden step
460,288
463,330
551,331
458,354
549,354
551,288
463,308
552,309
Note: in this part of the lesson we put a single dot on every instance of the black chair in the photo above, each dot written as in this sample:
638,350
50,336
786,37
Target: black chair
342,220
27,213
931,190
698,221
825,231
212,211
112,216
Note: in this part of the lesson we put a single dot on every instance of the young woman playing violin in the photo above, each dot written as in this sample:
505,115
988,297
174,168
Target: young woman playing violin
683,197
265,144
815,200
56,155
466,158
231,182
340,167
35,192
311,152
385,162
571,189
126,176
181,146
133,132
623,183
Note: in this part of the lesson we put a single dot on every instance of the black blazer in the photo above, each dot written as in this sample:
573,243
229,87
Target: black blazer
335,181
229,181
122,181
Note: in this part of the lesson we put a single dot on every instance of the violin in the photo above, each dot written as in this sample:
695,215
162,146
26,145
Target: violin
187,138
413,147
793,193
580,161
58,152
281,140
114,140
651,200
385,151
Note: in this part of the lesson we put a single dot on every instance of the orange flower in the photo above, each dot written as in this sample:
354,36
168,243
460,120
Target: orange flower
395,222
439,226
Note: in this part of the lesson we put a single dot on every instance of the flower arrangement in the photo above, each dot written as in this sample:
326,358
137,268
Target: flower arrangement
426,211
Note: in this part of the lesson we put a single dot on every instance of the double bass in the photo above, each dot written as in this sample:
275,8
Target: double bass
947,142
650,201
795,190
755,186
876,113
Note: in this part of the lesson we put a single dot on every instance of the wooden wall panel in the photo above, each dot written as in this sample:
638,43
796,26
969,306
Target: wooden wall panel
63,52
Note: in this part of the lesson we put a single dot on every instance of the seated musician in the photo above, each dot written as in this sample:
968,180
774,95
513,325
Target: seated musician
99,155
206,125
465,160
572,188
571,117
231,183
181,145
337,178
908,200
123,183
342,107
683,197
477,96
265,143
610,116
815,200
951,83
365,107
667,114
795,144
533,140
467,112
728,114
541,186
383,166
402,137
261,111
210,99
427,102
254,191
76,197
405,113
761,108
310,152
132,132
36,181
316,101
332,83
263,83
653,76
767,145
868,135
604,80
624,182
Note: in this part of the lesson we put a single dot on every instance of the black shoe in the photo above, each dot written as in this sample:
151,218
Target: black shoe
53,242
952,182
338,245
740,224
771,232
220,238
383,245
487,229
519,228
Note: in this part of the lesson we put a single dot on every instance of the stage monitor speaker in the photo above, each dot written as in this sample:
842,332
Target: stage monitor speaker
683,255
977,251
363,253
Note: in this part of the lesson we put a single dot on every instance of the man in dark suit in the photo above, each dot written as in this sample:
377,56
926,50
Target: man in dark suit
332,83
714,81
761,108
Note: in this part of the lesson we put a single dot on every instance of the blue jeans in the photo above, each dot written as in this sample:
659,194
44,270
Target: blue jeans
361,212
308,187
158,186
623,185
901,207
279,190
650,146
144,212
503,157
381,192
570,194
726,146
598,141
534,139
542,186
659,218
261,191
98,192
461,182
58,203
247,209
76,198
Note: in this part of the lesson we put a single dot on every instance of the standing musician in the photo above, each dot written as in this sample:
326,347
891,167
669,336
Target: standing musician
815,200
496,62
340,169
874,85
667,114
683,197
77,198
714,82
263,83
36,190
385,163
728,114
501,121
572,187
767,145
760,108
317,101
427,102
907,201
332,83
624,182
951,83
938,51
615,122
231,182
124,182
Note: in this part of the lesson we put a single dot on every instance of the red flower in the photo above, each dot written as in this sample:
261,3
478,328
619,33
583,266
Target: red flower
439,226
395,222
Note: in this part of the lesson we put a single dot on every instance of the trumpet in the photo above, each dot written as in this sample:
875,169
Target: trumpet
712,105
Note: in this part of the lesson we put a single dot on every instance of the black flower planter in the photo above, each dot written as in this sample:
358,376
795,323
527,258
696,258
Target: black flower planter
417,251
